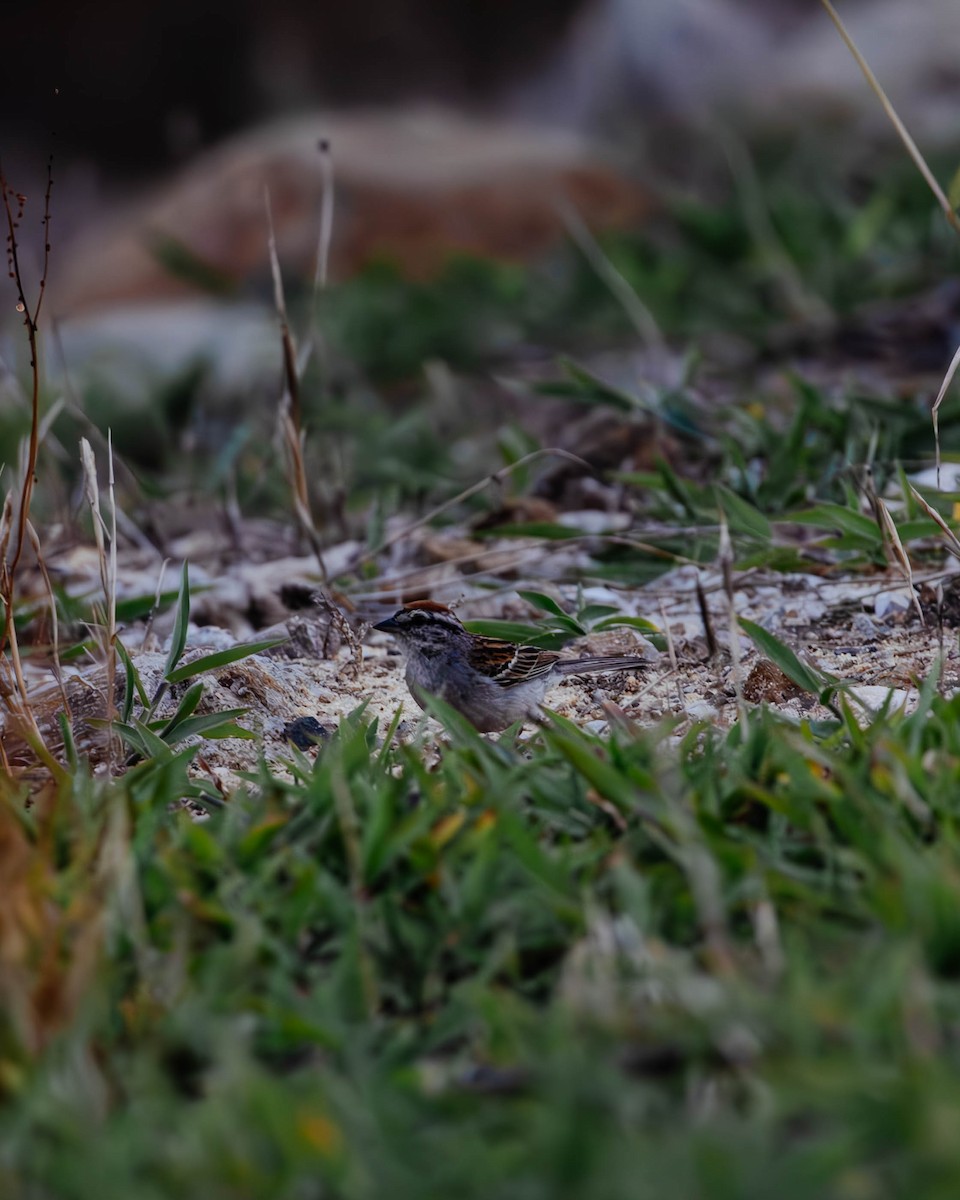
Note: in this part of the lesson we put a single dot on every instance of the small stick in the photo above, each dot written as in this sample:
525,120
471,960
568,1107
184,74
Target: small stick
31,319
726,568
707,620
671,651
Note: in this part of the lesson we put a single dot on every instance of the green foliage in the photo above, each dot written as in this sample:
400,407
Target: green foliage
810,236
150,737
813,682
393,325
569,967
559,626
709,272
691,961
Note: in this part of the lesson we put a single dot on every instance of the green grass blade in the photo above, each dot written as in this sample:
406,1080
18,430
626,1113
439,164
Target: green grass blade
222,658
133,683
188,703
210,725
743,517
542,601
785,658
153,744
178,639
69,745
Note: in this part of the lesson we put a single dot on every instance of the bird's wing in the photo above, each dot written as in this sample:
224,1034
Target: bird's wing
509,664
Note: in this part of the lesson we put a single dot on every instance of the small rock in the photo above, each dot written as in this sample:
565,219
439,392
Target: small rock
864,626
306,732
890,604
211,637
590,520
875,697
412,185
766,683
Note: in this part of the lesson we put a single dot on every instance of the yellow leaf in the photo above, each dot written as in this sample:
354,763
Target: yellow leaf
447,828
485,821
321,1133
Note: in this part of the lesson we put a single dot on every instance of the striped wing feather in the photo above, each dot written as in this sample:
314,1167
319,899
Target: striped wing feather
508,664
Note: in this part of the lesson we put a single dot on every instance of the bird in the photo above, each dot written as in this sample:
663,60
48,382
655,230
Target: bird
491,682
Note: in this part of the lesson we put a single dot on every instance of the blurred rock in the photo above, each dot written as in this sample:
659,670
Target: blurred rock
752,64
306,733
413,187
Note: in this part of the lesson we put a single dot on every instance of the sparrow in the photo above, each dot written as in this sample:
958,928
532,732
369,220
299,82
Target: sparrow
491,682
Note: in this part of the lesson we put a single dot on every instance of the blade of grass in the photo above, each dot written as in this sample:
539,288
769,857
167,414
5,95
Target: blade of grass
178,638
222,658
786,659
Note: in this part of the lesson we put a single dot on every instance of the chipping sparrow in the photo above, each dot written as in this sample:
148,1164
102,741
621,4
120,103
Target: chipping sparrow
493,683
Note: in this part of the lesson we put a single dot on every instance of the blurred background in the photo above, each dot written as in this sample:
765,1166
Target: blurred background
124,95
504,181
135,90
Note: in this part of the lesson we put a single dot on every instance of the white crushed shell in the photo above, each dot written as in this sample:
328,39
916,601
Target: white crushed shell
874,698
863,626
892,603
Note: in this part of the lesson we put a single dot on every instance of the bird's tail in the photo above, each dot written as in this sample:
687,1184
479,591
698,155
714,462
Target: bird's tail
591,666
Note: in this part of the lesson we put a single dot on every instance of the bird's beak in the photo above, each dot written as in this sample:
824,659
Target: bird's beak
390,625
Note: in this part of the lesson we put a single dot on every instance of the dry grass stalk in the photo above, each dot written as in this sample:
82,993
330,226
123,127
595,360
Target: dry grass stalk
671,651
291,374
707,619
14,695
290,415
725,556
898,125
106,543
152,615
326,217
13,687
898,554
48,951
31,318
502,560
105,538
496,477
935,412
953,542
921,164
639,315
